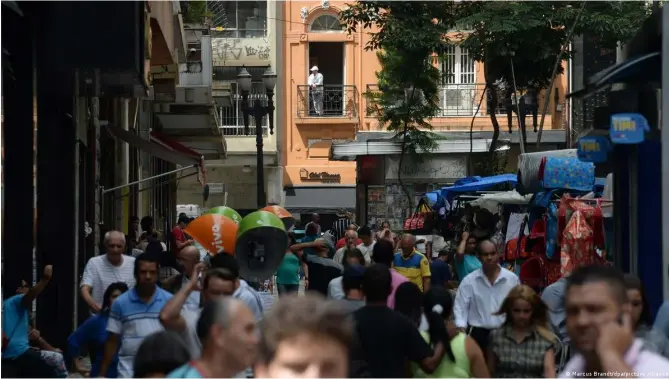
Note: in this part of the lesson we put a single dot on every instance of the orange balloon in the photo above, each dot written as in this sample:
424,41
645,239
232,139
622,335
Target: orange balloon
216,233
277,210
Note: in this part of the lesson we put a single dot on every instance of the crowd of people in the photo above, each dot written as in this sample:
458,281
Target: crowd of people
376,306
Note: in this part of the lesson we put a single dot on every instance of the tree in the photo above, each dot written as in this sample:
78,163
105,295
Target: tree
535,34
406,35
196,11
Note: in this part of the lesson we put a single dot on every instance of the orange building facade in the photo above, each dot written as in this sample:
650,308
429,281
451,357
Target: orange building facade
313,37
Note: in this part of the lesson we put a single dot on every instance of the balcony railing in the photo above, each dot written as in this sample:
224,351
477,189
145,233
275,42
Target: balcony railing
327,101
455,100
232,117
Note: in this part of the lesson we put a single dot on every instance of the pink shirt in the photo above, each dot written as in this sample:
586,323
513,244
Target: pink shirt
644,362
396,279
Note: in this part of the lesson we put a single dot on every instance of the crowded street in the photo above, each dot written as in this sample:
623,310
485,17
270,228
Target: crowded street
331,189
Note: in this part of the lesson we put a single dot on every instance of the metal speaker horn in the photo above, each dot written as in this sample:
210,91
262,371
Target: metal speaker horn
261,243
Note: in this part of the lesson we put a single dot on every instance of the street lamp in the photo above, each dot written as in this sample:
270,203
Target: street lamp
258,111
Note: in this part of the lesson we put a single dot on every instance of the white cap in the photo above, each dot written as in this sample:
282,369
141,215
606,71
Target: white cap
315,68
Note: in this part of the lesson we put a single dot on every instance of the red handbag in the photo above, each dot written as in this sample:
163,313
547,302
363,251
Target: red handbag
416,223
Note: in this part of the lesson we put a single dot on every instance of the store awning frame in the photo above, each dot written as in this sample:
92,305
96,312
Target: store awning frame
155,149
349,151
168,143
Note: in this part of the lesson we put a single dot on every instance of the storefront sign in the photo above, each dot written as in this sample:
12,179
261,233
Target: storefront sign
593,149
324,177
436,167
628,128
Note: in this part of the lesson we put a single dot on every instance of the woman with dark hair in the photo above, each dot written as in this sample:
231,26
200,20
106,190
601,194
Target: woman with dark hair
409,302
641,318
159,354
93,334
463,357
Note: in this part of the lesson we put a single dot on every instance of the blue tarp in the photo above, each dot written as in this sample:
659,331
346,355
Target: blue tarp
481,184
468,184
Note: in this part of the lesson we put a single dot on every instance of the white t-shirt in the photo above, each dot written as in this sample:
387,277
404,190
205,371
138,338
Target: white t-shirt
438,244
100,273
367,251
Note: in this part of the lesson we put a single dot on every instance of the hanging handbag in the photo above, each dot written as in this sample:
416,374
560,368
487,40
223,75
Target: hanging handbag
416,223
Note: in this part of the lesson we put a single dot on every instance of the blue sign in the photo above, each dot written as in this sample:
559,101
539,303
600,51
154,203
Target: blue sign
593,149
628,128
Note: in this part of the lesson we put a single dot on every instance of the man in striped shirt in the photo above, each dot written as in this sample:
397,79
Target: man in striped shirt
135,315
340,226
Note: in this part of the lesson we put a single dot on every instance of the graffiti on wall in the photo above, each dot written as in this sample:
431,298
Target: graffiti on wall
234,49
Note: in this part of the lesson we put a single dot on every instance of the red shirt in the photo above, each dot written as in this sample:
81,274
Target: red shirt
342,242
178,235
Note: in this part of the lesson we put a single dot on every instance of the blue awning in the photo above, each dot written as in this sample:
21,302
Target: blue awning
474,183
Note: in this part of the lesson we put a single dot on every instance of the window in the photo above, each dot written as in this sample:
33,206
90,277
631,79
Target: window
458,91
232,117
239,19
457,67
326,23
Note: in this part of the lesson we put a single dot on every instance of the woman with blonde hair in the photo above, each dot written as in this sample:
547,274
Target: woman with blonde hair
524,346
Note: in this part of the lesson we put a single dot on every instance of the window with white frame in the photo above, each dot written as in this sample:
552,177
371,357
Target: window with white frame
327,24
458,82
231,116
238,19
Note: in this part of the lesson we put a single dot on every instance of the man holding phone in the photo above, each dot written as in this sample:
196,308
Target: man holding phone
600,328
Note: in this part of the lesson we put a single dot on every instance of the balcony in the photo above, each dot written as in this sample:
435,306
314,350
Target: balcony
329,104
231,120
458,104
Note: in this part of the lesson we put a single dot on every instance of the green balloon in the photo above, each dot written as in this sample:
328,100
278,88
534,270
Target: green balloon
259,219
227,212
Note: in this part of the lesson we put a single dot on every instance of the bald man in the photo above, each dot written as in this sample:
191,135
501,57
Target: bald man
411,264
187,259
481,294
227,330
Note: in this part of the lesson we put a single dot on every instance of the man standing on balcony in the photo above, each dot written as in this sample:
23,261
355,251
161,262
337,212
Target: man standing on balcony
316,88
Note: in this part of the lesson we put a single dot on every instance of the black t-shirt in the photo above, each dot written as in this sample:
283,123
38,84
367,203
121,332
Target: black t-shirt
321,272
386,340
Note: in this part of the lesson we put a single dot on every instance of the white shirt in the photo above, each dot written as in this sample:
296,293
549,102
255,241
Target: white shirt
100,273
477,300
367,251
438,244
193,300
315,79
335,289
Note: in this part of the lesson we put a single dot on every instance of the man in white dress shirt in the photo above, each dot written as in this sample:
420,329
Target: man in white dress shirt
481,294
316,88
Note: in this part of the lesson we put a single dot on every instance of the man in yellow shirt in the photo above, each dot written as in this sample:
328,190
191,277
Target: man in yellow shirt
411,264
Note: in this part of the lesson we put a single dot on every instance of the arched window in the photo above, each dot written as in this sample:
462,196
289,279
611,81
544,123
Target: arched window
326,23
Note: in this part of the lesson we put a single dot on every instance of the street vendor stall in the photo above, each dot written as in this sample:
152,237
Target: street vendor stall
628,136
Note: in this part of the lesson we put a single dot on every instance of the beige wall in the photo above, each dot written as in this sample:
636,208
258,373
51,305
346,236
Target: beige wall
300,151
